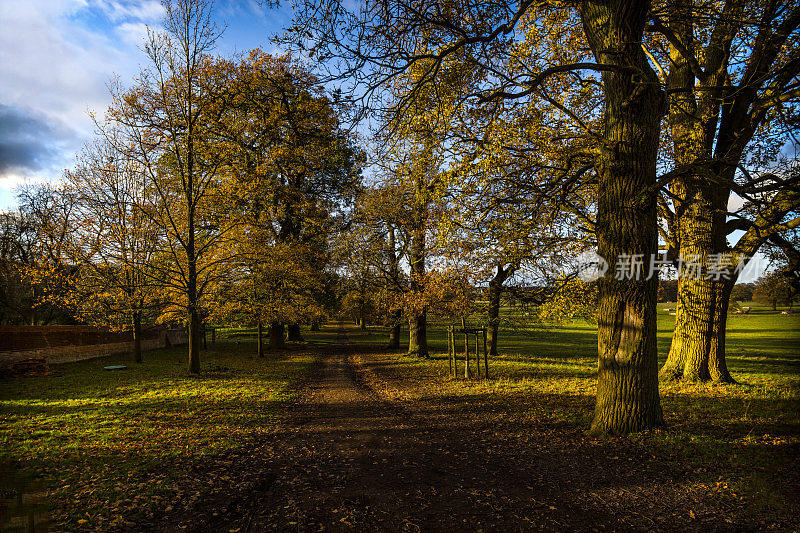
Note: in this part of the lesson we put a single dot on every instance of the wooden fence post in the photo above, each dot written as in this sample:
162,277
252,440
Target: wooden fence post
466,349
485,356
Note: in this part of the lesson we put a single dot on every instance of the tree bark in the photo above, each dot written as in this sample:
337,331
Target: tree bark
293,331
495,293
394,331
691,340
717,365
137,336
708,123
417,320
260,339
396,315
191,289
191,255
697,351
194,342
276,332
627,378
418,335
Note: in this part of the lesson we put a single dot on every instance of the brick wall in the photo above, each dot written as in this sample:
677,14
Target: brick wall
23,338
65,344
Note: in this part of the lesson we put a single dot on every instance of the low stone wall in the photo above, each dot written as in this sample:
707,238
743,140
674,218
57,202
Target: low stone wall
79,351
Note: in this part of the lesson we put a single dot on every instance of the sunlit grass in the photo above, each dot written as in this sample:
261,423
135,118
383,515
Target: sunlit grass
90,434
744,434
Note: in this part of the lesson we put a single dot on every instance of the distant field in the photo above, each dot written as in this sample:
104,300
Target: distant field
761,333
763,354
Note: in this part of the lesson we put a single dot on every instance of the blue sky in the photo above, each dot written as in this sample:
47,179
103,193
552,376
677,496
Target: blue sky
56,58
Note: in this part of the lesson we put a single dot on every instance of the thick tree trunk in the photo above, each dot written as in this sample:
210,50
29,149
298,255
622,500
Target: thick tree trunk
396,316
137,336
493,311
276,333
191,252
191,296
691,340
418,335
260,339
697,351
363,324
717,366
627,377
394,331
293,333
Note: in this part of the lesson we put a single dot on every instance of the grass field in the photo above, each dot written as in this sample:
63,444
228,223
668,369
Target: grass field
114,444
109,441
744,435
763,354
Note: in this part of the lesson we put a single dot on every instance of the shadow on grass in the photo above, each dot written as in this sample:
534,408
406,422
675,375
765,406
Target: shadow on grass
514,459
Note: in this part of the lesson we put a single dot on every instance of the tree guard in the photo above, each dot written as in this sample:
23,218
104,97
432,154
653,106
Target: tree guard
480,340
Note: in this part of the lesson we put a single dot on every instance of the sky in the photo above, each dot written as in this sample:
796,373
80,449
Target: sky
57,58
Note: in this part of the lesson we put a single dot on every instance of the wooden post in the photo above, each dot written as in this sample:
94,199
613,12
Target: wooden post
485,356
477,356
451,341
260,339
466,349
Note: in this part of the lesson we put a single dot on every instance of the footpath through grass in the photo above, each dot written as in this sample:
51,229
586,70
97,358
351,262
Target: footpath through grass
742,439
103,445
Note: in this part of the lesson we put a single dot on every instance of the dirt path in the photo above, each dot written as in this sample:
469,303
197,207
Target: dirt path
346,459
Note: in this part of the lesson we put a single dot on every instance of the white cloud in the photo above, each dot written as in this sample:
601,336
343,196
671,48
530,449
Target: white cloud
147,11
133,33
52,63
10,182
56,59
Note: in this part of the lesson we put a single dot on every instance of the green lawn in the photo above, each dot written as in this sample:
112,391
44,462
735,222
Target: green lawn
109,444
111,440
745,435
763,353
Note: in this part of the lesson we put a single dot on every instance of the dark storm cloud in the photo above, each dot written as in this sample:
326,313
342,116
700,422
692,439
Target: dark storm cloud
29,141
